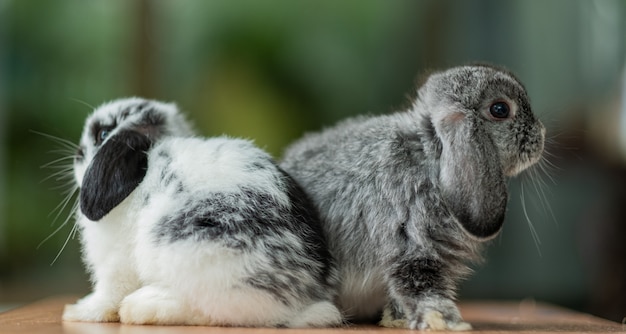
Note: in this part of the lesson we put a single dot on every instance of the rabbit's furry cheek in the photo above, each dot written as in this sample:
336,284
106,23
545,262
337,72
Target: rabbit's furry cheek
79,172
408,199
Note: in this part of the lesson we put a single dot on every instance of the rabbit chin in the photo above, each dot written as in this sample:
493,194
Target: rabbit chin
522,166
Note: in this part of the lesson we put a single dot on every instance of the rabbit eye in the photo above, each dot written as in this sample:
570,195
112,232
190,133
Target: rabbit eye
500,110
102,134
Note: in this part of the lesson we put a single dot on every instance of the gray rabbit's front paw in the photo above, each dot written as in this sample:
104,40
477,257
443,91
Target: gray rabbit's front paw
436,314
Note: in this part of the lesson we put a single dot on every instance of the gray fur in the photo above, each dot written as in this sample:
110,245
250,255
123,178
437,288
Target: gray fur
408,199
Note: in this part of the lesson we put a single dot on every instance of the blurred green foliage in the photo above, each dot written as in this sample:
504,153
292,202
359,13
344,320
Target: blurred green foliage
272,70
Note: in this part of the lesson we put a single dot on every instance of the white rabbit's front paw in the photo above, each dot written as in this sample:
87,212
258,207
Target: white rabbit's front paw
154,306
91,309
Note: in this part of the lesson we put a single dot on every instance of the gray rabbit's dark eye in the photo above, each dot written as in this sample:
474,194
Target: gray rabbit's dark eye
500,110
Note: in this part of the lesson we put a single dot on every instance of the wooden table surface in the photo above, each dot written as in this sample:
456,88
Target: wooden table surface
486,317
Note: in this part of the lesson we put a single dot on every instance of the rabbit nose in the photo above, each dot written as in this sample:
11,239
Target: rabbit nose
542,132
80,154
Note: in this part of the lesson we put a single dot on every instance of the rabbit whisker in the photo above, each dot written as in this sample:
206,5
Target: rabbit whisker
65,143
63,188
83,103
546,169
541,189
61,206
533,231
54,163
64,151
71,235
63,174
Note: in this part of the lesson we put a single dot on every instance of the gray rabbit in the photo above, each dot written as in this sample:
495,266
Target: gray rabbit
407,200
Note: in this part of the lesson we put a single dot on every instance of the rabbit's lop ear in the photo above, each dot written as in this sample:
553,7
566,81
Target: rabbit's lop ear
116,170
473,182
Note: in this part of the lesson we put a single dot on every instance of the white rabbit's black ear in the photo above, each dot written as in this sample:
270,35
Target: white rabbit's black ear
116,170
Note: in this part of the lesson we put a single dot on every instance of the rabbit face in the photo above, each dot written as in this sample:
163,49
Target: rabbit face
494,100
108,167
149,118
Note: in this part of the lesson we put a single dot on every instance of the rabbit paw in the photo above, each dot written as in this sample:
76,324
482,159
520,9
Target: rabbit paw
91,309
434,320
154,306
320,314
432,314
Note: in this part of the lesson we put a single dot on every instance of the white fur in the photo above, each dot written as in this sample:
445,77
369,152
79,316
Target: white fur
189,282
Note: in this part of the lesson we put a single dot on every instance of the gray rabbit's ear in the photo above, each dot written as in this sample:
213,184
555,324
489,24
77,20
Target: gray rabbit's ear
473,182
116,170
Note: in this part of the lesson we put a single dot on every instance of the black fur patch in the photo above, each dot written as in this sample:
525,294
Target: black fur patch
167,177
250,219
416,276
116,170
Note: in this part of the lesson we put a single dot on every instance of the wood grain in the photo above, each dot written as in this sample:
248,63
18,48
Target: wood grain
486,317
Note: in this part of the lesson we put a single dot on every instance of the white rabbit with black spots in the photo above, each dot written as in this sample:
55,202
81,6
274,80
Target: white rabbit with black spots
408,199
179,230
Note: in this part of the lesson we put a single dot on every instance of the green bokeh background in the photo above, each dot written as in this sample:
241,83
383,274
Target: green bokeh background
272,70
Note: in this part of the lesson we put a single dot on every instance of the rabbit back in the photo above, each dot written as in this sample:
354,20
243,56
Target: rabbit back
233,233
